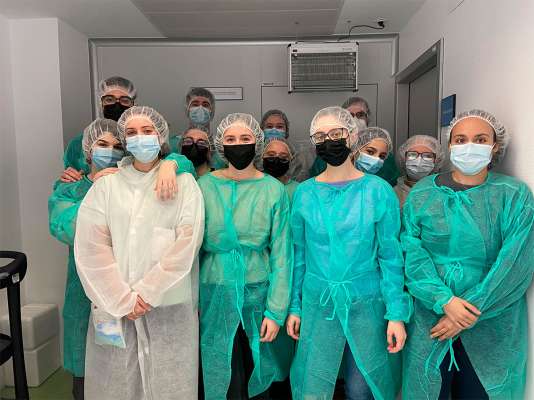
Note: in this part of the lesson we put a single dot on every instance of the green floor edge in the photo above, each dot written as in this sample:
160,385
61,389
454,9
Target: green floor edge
58,386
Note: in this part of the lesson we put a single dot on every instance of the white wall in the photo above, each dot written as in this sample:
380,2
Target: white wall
38,127
488,64
75,81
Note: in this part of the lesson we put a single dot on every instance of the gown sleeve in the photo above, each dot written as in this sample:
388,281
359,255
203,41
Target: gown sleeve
281,262
398,302
511,274
299,266
95,261
63,205
177,261
422,278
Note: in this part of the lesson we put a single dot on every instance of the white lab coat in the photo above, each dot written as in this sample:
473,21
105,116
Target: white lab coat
129,243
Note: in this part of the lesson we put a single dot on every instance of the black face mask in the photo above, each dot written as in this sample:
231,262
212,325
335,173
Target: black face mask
275,166
333,152
114,111
240,155
197,155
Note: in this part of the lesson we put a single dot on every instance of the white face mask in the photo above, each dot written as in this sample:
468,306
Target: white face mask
471,158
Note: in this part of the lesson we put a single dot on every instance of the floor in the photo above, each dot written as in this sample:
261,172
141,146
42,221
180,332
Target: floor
57,387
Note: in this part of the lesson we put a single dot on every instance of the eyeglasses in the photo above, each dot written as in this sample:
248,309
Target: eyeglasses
333,134
414,155
200,142
109,99
360,115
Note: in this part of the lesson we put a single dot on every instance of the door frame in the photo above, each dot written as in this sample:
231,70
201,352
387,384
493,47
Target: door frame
432,57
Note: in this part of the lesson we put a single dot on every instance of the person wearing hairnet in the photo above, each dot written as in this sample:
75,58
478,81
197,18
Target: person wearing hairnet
245,268
195,146
275,124
277,157
116,95
359,109
199,110
419,156
137,261
102,149
373,147
348,301
469,239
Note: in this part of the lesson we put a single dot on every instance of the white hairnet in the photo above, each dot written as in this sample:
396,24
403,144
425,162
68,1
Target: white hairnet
290,147
335,117
421,140
357,100
502,136
96,129
281,114
116,82
160,125
367,135
200,92
246,121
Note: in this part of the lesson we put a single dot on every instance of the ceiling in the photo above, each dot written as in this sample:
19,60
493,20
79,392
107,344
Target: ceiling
216,19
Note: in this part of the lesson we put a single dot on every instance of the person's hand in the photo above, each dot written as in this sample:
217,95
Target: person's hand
166,181
140,309
101,173
71,175
293,326
396,336
269,330
461,312
445,329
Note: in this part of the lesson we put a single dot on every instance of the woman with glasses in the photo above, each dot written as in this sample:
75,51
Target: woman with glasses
116,95
348,301
469,238
419,156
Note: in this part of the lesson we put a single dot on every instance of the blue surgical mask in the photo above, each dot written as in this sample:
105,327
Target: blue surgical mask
274,133
105,157
419,168
144,148
199,115
471,158
369,164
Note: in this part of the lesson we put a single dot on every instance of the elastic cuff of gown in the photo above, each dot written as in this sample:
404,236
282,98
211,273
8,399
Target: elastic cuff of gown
295,311
154,302
438,307
270,315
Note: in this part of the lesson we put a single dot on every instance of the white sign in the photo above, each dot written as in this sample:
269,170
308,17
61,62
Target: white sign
227,93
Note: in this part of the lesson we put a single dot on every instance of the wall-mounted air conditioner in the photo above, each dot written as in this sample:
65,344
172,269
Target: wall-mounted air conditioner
323,66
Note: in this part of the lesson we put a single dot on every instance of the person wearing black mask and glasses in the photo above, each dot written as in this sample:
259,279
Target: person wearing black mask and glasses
116,95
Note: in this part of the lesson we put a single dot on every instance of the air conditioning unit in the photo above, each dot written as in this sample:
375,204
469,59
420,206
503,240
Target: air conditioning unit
323,66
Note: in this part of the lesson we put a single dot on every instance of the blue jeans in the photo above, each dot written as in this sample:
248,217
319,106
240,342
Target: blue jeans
355,386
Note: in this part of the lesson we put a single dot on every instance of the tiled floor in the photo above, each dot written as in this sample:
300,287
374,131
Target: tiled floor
57,387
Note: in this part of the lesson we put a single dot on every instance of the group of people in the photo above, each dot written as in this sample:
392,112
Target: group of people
199,267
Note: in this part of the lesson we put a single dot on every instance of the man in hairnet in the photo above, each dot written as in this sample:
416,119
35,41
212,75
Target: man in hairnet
348,301
137,260
116,95
102,150
468,236
246,266
419,156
